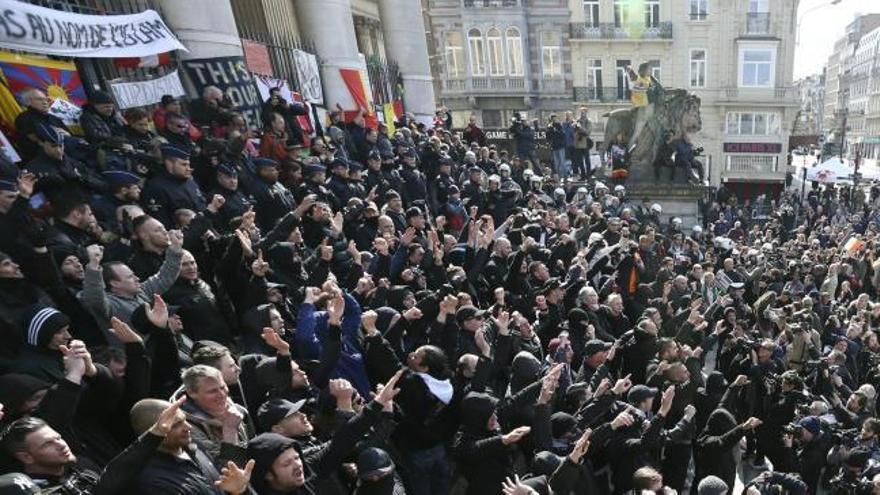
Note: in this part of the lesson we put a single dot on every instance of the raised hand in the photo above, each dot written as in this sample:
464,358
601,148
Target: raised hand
408,236
666,400
368,320
412,313
234,480
515,487
96,254
335,308
244,238
623,419
326,250
481,343
167,418
217,202
176,238
271,337
581,447
158,312
124,332
381,246
516,435
259,267
387,392
689,411
752,423
622,385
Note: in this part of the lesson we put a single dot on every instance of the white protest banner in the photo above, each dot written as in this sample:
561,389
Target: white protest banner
66,111
309,77
265,83
143,93
38,29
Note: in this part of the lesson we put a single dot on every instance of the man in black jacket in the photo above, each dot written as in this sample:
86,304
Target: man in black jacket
174,188
36,113
100,120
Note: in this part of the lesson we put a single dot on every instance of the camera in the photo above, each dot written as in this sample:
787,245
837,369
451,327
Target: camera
792,429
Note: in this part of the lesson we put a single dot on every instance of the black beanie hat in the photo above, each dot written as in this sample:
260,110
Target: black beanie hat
41,323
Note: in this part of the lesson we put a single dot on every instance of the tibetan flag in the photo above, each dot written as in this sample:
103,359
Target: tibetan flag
59,80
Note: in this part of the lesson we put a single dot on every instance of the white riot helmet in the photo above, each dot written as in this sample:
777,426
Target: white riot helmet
527,174
600,186
656,208
494,178
504,170
676,221
559,192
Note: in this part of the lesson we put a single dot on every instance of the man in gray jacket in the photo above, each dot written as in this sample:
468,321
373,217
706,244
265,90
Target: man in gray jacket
125,291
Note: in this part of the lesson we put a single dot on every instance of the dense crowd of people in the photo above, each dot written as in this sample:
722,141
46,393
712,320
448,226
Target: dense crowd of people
192,306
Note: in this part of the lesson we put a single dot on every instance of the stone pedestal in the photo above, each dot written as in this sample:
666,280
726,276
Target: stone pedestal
677,199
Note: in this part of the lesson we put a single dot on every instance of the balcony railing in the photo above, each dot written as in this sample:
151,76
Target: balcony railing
758,23
609,31
486,84
752,164
601,94
491,3
698,16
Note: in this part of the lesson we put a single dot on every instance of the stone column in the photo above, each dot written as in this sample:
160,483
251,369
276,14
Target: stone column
328,24
205,27
405,43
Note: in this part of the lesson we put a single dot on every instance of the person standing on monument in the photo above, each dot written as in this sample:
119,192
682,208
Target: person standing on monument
640,84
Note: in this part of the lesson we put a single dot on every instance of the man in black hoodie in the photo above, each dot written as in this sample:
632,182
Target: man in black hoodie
283,467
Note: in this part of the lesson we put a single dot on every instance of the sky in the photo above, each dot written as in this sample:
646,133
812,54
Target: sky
821,24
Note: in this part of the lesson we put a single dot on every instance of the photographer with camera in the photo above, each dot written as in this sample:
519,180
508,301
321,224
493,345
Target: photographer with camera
805,449
523,135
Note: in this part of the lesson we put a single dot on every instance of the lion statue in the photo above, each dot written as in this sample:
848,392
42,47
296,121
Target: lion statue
677,111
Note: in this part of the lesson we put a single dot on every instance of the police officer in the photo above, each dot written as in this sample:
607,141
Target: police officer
273,200
55,170
235,202
375,176
174,188
414,184
124,189
440,186
314,176
355,180
338,183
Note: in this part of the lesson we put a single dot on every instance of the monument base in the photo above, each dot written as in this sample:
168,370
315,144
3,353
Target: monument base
677,199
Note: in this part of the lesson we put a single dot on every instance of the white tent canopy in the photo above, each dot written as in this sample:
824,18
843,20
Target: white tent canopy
830,171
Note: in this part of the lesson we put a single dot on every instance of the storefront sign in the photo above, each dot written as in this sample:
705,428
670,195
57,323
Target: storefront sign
38,29
143,93
753,147
230,74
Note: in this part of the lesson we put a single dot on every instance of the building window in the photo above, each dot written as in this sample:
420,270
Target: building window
594,73
655,68
454,56
496,52
477,52
698,68
759,6
621,13
492,118
551,54
652,13
752,123
699,9
756,67
591,13
514,52
623,79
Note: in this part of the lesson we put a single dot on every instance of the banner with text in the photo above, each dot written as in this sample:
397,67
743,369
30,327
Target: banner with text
231,75
143,93
309,77
38,29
